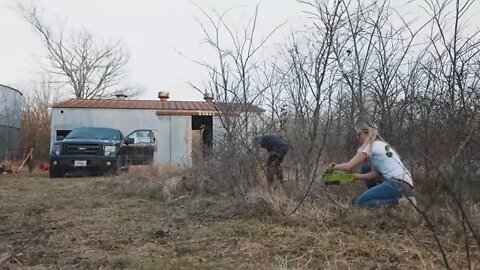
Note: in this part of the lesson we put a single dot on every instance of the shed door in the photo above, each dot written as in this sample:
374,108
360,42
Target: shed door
202,136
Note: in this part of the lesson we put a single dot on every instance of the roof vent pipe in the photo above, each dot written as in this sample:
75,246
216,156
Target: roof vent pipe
208,97
120,95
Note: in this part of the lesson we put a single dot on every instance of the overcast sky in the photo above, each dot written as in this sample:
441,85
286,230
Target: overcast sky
153,31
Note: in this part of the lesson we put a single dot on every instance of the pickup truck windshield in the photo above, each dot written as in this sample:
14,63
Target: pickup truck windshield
93,133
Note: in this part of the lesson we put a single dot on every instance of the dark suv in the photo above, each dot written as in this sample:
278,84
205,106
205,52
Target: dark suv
90,150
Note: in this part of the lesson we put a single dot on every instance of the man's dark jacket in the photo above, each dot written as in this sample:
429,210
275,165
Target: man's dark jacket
272,142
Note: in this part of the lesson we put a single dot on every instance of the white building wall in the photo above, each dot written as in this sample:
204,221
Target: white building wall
173,133
181,139
164,152
218,130
254,125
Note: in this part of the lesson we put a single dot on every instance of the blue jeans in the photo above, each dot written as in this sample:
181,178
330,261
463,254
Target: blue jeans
370,184
385,194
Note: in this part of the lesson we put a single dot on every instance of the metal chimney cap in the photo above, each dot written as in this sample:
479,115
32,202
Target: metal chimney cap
163,96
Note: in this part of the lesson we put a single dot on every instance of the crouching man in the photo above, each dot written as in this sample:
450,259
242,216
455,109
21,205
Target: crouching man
277,147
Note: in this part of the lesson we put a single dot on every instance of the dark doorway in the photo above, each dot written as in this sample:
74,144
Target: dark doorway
202,136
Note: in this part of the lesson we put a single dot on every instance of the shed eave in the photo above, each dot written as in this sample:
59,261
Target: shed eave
187,112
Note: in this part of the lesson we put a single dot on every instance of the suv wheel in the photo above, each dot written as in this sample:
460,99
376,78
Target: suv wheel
55,172
117,168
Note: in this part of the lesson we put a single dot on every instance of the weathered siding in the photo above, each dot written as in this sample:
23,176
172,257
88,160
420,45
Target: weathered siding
174,138
10,111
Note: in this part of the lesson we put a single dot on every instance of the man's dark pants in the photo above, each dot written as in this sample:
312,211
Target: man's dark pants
274,165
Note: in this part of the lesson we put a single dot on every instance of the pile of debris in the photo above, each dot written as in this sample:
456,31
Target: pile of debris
5,170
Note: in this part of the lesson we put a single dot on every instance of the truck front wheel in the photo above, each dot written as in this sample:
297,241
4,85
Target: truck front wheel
117,167
55,172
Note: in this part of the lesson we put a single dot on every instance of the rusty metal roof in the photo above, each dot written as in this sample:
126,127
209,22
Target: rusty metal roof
161,106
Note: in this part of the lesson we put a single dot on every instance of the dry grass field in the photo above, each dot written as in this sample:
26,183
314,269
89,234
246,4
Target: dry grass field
151,219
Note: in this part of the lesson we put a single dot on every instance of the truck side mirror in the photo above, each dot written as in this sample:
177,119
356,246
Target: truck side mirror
60,138
129,141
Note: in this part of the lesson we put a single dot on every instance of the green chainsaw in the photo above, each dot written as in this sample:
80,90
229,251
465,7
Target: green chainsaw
338,178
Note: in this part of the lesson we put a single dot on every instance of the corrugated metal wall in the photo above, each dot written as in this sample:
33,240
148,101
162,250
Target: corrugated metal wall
10,113
175,138
173,132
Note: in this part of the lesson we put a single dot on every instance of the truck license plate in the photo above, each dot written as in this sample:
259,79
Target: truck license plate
80,163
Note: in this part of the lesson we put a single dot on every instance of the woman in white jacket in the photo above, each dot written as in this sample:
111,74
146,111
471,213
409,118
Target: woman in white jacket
385,163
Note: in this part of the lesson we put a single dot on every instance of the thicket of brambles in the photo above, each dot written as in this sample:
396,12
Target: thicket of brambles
417,78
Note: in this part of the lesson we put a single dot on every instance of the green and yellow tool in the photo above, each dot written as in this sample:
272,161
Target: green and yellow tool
338,178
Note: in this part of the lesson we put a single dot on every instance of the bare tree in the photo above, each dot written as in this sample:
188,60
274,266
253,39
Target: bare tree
91,69
312,68
455,50
239,80
36,117
239,77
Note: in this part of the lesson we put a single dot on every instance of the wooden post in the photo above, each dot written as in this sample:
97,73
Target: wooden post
25,160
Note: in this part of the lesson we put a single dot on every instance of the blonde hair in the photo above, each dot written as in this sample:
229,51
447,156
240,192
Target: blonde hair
372,130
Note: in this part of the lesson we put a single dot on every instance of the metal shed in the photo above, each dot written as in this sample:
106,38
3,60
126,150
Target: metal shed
176,124
10,112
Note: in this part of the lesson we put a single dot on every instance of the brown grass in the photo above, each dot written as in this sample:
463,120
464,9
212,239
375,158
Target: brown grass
152,218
